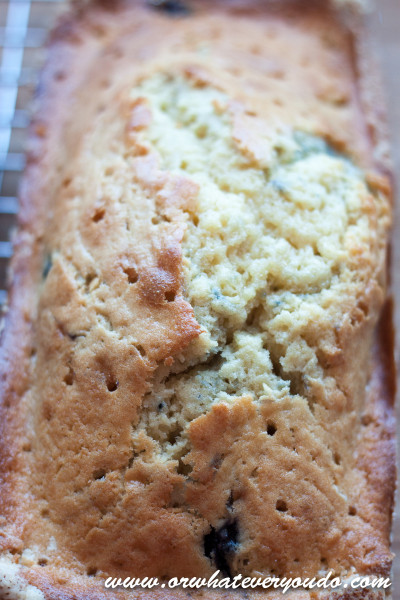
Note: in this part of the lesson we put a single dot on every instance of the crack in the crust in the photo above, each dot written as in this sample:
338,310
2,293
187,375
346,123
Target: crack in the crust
213,361
161,416
166,411
171,406
162,408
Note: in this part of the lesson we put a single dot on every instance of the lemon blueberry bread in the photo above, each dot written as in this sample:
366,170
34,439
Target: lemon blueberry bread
196,359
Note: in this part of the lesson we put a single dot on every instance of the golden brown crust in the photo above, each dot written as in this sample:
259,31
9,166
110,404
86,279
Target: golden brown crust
76,47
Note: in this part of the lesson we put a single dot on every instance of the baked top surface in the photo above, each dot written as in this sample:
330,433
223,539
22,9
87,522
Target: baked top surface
198,279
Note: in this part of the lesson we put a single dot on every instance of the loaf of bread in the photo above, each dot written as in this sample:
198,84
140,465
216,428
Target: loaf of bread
197,366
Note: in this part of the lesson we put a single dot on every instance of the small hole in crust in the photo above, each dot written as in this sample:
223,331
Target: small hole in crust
281,505
366,420
99,474
45,513
352,511
47,411
337,458
170,296
132,274
141,350
91,572
42,562
98,215
271,428
27,447
69,378
112,384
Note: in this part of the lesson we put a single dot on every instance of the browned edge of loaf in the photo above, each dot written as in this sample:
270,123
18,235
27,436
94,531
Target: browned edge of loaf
68,55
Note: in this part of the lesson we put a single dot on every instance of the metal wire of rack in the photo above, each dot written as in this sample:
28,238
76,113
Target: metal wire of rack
24,26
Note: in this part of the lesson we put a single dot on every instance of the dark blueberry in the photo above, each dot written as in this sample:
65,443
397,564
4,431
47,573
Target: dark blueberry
170,7
278,185
220,544
217,294
47,266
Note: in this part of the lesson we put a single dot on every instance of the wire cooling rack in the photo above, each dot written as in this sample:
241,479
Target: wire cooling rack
24,26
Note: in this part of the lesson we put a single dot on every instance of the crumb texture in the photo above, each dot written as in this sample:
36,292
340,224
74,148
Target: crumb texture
212,269
271,248
13,586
